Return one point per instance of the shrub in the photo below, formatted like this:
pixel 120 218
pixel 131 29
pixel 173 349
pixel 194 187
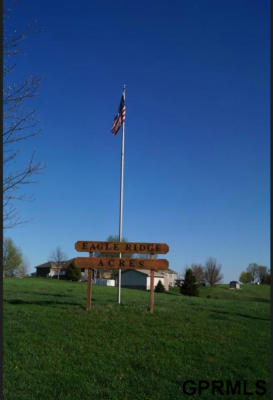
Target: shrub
pixel 159 287
pixel 73 273
pixel 12 258
pixel 245 277
pixel 189 287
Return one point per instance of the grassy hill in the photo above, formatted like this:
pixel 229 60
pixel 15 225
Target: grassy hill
pixel 54 349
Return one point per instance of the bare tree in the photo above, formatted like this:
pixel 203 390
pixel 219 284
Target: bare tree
pixel 198 272
pixel 23 268
pixel 19 124
pixel 59 258
pixel 212 272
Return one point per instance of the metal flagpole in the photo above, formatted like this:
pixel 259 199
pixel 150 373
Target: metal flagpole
pixel 121 197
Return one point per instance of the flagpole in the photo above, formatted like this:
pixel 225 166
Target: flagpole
pixel 121 198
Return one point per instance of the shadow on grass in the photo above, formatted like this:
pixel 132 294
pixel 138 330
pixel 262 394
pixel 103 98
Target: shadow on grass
pixel 172 293
pixel 260 300
pixel 47 294
pixel 251 317
pixel 217 316
pixel 43 303
pixel 235 298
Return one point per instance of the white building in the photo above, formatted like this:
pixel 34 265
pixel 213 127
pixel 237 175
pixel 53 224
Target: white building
pixel 140 278
pixel 102 282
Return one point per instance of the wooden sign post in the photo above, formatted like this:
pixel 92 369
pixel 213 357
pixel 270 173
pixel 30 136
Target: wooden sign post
pixel 112 263
pixel 89 287
pixel 152 291
pixel 89 290
pixel 152 277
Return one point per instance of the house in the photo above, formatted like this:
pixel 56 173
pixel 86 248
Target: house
pixel 140 278
pixel 170 277
pixel 234 285
pixel 50 269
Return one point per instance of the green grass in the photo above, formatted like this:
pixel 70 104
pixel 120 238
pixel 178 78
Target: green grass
pixel 54 349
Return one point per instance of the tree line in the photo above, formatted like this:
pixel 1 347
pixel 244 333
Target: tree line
pixel 14 264
pixel 210 273
pixel 198 274
pixel 256 274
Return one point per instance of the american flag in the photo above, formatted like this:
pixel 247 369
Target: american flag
pixel 120 117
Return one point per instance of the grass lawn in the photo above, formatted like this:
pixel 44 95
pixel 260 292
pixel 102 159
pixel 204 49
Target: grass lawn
pixel 54 349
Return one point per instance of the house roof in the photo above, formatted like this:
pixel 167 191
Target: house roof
pixel 171 271
pixel 52 264
pixel 44 265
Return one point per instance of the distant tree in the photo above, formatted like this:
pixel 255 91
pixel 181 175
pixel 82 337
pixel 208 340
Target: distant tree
pixel 58 257
pixel 212 272
pixel 189 287
pixel 262 272
pixel 252 269
pixel 257 272
pixel 23 268
pixel 245 277
pixel 266 279
pixel 198 272
pixel 73 273
pixel 159 287
pixel 12 258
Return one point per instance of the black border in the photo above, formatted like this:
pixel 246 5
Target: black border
pixel 1 219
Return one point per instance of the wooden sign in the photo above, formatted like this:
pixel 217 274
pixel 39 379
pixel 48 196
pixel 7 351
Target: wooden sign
pixel 122 247
pixel 89 290
pixel 121 263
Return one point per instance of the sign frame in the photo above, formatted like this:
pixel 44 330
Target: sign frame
pixel 113 263
pixel 121 263
pixel 121 247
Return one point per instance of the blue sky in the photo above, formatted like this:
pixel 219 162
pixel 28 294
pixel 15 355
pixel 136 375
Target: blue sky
pixel 197 127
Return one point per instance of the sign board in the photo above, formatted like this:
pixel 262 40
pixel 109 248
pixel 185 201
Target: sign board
pixel 122 247
pixel 121 263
